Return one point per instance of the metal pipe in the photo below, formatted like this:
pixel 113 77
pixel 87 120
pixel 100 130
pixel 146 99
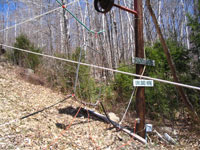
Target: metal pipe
pixel 126 9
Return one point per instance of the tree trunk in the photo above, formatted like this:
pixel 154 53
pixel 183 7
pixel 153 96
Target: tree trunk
pixel 62 36
pixel 66 31
pixel 185 23
pixel 115 43
pixel 108 48
pixel 121 56
pixel 15 26
pixel 159 12
pixel 7 21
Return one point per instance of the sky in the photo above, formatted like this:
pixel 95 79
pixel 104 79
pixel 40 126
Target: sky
pixel 4 6
pixel 15 5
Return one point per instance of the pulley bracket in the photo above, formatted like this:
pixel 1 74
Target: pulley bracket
pixel 104 6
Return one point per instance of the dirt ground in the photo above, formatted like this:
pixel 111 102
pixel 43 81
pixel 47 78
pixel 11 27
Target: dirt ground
pixel 56 127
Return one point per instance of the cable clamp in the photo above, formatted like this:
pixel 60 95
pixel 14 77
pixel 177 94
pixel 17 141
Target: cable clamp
pixel 137 120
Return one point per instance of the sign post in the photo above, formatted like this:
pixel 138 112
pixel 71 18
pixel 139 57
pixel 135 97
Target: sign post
pixel 104 6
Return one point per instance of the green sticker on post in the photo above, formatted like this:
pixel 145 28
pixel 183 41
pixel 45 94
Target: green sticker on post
pixel 142 61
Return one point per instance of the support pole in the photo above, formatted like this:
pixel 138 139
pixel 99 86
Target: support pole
pixel 139 52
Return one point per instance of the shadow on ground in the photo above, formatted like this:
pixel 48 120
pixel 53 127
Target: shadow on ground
pixel 72 112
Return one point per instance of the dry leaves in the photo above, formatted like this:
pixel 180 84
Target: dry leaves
pixel 19 98
pixel 45 130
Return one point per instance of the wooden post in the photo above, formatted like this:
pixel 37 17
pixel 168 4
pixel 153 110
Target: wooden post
pixel 139 52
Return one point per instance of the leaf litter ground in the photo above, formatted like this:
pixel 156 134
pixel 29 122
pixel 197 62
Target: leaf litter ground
pixel 45 130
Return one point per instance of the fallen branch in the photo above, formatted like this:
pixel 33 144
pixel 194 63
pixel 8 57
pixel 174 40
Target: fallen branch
pixel 116 125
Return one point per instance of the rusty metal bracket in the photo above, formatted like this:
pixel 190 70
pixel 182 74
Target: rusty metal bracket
pixel 104 6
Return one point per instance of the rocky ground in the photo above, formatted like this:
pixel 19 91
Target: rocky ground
pixel 50 129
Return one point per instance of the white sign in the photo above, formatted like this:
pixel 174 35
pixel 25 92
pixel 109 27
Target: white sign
pixel 143 83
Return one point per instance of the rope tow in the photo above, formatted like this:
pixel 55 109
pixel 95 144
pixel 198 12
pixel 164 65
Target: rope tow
pixel 82 103
pixel 104 68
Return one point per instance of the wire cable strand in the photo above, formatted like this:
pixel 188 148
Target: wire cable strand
pixel 64 7
pixel 133 93
pixel 104 68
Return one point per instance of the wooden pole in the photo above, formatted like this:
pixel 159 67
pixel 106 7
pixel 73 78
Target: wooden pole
pixel 139 52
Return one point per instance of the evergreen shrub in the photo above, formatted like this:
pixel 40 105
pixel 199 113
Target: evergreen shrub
pixel 123 84
pixel 86 86
pixel 24 59
pixel 163 99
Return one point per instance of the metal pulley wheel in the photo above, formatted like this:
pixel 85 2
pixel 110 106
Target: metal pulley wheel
pixel 103 6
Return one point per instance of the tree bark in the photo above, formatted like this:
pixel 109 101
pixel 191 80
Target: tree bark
pixel 171 65
pixel 66 31
pixel 62 36
pixel 122 55
pixel 184 23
